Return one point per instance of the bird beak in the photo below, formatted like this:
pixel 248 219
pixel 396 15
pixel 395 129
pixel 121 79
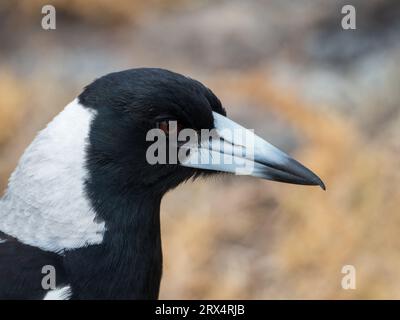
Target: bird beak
pixel 235 149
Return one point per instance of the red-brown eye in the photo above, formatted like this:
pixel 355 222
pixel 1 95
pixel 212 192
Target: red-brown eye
pixel 164 126
pixel 169 127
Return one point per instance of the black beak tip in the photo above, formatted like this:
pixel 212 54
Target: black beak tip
pixel 319 182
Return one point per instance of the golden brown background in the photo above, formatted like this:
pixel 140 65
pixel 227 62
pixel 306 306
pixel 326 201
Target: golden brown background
pixel 329 97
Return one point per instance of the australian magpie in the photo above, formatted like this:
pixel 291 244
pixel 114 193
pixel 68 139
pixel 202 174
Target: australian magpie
pixel 85 200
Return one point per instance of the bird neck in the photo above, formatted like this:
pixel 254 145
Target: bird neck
pixel 128 263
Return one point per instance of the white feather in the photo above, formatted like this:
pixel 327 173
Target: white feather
pixel 63 293
pixel 45 204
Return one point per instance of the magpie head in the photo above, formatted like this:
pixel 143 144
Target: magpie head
pixel 132 103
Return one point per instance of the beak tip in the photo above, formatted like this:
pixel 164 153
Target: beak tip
pixel 320 183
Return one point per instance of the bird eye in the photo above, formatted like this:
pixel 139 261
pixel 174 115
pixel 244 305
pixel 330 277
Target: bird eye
pixel 169 126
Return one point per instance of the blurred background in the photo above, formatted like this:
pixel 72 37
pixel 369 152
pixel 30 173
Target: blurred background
pixel 328 96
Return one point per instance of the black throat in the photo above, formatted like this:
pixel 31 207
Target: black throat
pixel 128 263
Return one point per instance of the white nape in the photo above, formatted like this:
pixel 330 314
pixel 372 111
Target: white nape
pixel 45 204
pixel 63 293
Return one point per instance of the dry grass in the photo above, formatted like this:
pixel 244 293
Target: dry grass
pixel 13 104
pixel 11 111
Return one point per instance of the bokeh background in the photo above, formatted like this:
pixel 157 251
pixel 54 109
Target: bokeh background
pixel 329 97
